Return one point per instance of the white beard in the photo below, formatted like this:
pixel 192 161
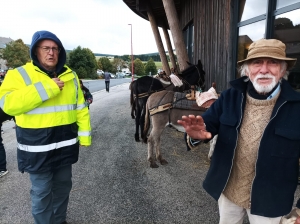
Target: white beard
pixel 264 88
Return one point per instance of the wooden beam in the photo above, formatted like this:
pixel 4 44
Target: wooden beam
pixel 182 56
pixel 158 41
pixel 170 48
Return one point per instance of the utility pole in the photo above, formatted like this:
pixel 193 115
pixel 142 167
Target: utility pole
pixel 132 64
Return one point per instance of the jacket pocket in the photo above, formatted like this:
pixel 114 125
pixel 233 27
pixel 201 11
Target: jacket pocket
pixel 227 129
pixel 228 120
pixel 30 136
pixel 287 143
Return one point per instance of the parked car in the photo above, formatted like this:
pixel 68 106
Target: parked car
pixel 120 75
pixel 100 72
pixel 113 76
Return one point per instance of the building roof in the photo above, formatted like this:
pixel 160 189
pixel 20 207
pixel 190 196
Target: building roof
pixel 140 8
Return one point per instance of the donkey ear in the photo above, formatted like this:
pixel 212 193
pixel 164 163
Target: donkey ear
pixel 200 64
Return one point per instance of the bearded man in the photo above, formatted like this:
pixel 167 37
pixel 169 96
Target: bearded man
pixel 255 165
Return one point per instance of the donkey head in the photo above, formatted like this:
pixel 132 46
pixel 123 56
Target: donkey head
pixel 194 75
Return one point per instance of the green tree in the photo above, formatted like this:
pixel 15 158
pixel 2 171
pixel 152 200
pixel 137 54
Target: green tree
pixel 139 68
pixel 125 57
pixel 16 53
pixel 68 58
pixel 283 23
pixel 150 67
pixel 106 64
pixel 99 65
pixel 83 62
pixel 118 64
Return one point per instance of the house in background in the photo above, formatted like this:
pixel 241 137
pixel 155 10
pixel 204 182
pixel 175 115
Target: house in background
pixel 3 42
pixel 219 32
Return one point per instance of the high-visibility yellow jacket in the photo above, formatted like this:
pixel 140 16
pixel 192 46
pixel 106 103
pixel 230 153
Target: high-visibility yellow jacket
pixel 50 123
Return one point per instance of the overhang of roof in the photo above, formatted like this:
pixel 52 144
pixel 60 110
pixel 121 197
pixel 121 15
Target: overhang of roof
pixel 140 8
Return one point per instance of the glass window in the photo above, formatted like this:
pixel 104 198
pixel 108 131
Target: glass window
pixel 253 8
pixel 248 34
pixel 287 29
pixel 283 3
pixel 191 43
pixel 188 35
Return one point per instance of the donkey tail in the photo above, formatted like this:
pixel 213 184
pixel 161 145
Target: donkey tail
pixel 132 99
pixel 132 90
pixel 146 125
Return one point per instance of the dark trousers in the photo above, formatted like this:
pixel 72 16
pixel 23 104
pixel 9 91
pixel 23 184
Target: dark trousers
pixel 107 86
pixel 50 195
pixel 2 154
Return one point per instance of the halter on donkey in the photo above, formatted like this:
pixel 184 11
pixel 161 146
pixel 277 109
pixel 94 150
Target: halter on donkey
pixel 143 87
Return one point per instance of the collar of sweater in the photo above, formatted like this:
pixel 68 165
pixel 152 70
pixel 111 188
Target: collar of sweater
pixel 259 102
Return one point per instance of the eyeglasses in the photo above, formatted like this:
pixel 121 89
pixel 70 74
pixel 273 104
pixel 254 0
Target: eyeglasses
pixel 47 49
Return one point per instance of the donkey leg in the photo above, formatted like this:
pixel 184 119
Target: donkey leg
pixel 137 125
pixel 156 136
pixel 151 157
pixel 159 156
pixel 142 124
pixel 132 113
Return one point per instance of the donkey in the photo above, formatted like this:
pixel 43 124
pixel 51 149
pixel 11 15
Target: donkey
pixel 143 87
pixel 160 107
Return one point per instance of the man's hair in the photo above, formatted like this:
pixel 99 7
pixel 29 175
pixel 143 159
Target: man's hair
pixel 244 69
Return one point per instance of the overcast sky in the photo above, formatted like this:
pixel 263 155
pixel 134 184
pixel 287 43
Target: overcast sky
pixel 100 25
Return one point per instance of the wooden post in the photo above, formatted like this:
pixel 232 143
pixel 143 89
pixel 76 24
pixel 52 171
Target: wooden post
pixel 159 44
pixel 182 56
pixel 170 49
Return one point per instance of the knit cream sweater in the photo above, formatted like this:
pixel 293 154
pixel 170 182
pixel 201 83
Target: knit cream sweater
pixel 257 114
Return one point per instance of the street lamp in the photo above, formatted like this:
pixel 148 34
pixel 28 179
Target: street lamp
pixel 132 70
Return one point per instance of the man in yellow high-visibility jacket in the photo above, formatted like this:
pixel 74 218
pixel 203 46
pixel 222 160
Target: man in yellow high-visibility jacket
pixel 51 122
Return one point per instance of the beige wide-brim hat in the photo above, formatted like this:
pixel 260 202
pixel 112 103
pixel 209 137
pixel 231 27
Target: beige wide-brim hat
pixel 268 48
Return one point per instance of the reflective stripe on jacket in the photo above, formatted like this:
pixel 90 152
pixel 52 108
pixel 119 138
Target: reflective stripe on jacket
pixel 49 121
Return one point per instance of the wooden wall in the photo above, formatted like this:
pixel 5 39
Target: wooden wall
pixel 213 37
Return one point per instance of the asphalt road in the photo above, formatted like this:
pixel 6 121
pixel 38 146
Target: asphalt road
pixel 99 84
pixel 112 181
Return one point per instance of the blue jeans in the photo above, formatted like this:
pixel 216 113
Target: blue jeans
pixel 50 195
pixel 107 85
pixel 2 154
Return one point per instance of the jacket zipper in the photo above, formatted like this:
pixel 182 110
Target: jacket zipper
pixel 258 152
pixel 237 134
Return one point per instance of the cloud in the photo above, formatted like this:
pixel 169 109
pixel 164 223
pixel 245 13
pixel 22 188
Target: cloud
pixel 99 25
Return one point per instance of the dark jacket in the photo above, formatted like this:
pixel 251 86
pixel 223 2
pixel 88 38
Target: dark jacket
pixel 4 116
pixel 107 76
pixel 87 95
pixel 277 165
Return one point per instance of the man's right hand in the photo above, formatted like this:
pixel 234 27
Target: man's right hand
pixel 59 83
pixel 288 221
pixel 195 127
pixel 291 218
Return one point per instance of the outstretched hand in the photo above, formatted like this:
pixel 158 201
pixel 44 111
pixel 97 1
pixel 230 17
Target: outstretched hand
pixel 195 127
